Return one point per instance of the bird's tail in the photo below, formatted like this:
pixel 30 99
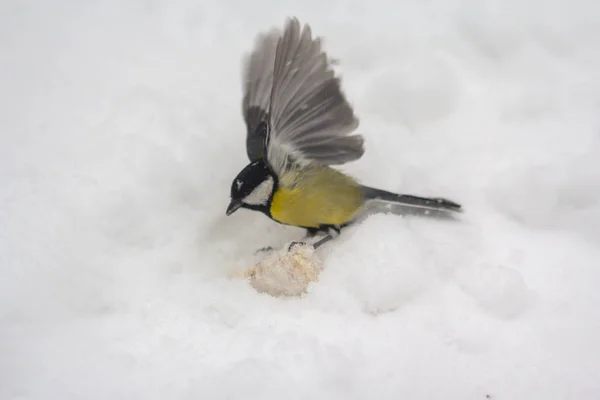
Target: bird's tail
pixel 434 203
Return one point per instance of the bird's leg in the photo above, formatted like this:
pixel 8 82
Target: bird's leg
pixel 331 230
pixel 322 241
pixel 310 233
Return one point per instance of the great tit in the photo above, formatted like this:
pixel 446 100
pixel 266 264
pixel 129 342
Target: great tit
pixel 299 124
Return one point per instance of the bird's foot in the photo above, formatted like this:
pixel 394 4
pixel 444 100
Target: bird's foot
pixel 264 250
pixel 297 243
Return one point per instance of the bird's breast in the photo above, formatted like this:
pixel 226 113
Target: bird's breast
pixel 313 200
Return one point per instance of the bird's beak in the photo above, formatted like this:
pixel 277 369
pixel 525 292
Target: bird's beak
pixel 233 206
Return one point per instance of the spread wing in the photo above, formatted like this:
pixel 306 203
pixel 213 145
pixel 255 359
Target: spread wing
pixel 310 120
pixel 257 80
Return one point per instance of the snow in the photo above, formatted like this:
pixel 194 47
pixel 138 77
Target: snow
pixel 120 135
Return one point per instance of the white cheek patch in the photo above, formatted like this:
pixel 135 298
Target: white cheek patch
pixel 261 194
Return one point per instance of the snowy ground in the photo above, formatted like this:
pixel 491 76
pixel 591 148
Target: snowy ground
pixel 120 132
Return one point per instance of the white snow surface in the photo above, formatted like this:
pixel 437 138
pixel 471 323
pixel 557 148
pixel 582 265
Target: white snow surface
pixel 120 135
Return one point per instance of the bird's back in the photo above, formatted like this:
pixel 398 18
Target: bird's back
pixel 316 196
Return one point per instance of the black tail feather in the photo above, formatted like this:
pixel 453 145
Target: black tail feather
pixel 432 203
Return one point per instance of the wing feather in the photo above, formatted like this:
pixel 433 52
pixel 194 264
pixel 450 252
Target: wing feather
pixel 310 118
pixel 257 81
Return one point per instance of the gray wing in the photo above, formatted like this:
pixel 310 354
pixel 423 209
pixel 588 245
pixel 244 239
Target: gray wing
pixel 310 118
pixel 257 81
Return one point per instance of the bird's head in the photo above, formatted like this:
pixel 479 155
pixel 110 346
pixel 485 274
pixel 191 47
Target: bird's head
pixel 252 188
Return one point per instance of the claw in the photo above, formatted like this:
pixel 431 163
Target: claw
pixel 264 249
pixel 295 243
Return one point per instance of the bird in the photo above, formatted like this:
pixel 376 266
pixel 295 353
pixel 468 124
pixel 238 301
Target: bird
pixel 300 127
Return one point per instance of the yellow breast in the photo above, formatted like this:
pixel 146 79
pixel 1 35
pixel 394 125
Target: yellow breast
pixel 317 196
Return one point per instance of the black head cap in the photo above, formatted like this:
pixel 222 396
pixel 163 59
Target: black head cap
pixel 246 182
